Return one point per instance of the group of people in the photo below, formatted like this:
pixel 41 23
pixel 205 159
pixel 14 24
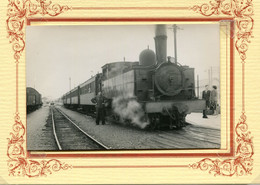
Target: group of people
pixel 211 98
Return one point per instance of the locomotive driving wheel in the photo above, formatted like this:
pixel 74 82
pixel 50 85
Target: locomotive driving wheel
pixel 154 121
pixel 180 120
pixel 176 119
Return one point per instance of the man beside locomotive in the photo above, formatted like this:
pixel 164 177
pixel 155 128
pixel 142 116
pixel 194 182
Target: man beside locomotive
pixel 214 99
pixel 100 101
pixel 206 96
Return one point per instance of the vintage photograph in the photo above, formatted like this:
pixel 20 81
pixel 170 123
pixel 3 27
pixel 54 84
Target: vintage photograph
pixel 123 87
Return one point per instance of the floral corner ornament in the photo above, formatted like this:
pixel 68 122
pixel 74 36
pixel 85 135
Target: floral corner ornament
pixel 18 11
pixel 242 12
pixel 241 164
pixel 19 164
pixel 33 168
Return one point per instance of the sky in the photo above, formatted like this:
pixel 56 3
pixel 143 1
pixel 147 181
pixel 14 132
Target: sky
pixel 54 54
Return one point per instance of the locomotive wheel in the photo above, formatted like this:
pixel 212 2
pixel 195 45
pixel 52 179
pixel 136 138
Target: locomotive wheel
pixel 180 122
pixel 177 119
pixel 153 119
pixel 115 117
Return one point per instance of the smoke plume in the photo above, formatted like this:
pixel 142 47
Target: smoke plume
pixel 129 109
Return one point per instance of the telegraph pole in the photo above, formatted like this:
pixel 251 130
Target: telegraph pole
pixel 175 41
pixel 174 27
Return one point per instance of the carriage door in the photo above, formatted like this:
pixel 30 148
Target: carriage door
pixel 78 95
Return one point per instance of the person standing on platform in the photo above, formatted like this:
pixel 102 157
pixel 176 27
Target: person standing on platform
pixel 100 101
pixel 214 99
pixel 206 96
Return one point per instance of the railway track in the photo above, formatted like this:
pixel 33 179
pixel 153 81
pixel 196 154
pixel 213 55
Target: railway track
pixel 69 136
pixel 188 137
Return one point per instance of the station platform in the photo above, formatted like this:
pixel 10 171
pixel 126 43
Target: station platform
pixel 213 121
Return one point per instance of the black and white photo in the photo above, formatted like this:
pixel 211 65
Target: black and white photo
pixel 123 87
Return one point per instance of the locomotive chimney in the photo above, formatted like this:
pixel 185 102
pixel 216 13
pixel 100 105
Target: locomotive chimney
pixel 160 43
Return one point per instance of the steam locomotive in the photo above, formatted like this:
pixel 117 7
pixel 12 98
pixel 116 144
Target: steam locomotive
pixel 33 99
pixel 154 92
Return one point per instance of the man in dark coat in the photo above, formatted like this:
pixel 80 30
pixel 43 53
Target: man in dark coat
pixel 206 96
pixel 100 101
pixel 214 99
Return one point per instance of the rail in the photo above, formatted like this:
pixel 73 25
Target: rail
pixel 80 129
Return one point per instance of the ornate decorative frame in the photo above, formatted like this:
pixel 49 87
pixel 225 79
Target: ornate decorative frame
pixel 242 164
pixel 241 10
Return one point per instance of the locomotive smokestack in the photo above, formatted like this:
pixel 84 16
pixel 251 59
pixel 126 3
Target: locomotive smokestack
pixel 160 43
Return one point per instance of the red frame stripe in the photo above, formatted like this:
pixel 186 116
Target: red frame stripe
pixel 154 155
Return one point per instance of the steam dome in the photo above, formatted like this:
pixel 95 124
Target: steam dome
pixel 147 57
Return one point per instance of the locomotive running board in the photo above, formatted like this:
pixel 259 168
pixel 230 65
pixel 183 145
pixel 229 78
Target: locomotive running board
pixel 187 105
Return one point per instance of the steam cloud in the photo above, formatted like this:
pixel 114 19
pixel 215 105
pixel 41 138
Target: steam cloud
pixel 128 108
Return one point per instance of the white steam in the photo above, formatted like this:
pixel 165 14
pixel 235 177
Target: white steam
pixel 129 109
